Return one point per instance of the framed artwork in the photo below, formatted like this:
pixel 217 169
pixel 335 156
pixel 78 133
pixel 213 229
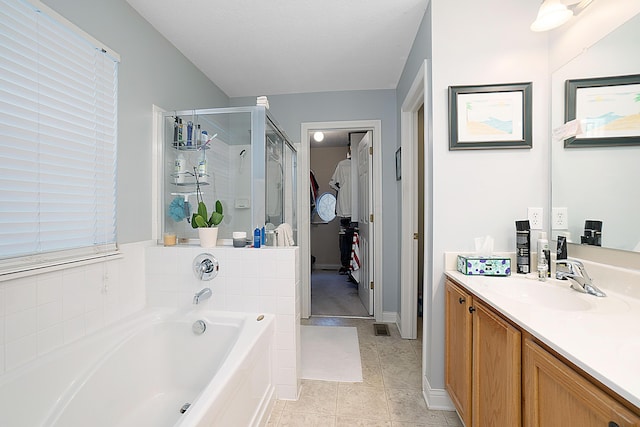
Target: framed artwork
pixel 607 108
pixel 490 116
pixel 399 164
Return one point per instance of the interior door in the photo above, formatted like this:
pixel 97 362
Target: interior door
pixel 365 225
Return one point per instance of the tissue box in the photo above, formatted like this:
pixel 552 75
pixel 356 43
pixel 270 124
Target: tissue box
pixel 484 266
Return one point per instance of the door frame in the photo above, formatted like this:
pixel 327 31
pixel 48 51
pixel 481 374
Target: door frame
pixel 416 97
pixel 304 209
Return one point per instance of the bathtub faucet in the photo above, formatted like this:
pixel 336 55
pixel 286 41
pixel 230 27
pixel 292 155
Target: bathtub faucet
pixel 202 295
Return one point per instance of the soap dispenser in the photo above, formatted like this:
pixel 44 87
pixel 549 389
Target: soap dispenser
pixel 544 257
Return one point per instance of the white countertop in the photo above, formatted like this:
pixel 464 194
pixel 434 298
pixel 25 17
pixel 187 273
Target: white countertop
pixel 599 335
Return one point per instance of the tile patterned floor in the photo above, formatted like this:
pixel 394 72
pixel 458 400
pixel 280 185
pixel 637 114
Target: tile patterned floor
pixel 390 394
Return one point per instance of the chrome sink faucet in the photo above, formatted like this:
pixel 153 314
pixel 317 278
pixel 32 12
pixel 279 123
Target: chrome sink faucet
pixel 574 271
pixel 202 295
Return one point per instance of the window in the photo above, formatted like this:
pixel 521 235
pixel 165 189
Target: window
pixel 58 133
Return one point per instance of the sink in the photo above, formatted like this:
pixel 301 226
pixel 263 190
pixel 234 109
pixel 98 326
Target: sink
pixel 549 295
pixel 555 295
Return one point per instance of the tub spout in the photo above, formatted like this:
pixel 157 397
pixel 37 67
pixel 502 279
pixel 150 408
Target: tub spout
pixel 202 295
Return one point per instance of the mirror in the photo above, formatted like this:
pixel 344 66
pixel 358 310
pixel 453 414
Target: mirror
pixel 598 183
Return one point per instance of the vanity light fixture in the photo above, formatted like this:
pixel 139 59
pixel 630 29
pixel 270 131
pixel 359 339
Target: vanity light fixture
pixel 318 136
pixel 554 13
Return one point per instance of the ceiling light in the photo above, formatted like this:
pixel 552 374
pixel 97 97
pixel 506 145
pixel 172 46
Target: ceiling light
pixel 318 136
pixel 551 14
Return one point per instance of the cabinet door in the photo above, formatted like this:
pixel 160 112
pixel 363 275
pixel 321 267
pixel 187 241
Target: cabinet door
pixel 556 395
pixel 496 370
pixel 458 349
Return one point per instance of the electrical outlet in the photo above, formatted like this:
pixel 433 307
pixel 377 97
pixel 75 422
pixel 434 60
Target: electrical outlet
pixel 559 219
pixel 535 218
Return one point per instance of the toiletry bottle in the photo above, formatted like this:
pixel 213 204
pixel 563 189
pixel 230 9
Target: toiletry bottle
pixel 263 236
pixel 189 133
pixel 523 243
pixel 543 257
pixel 257 238
pixel 202 167
pixel 175 132
pixel 180 132
pixel 180 169
pixel 198 136
pixel 561 250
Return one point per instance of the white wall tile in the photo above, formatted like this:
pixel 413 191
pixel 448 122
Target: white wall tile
pixel 49 314
pixel 73 281
pixel 285 376
pixel 287 358
pixel 73 329
pixel 235 303
pixel 111 312
pixel 93 321
pixel 268 286
pixel 285 305
pixel 252 304
pixel 162 299
pixel 268 304
pixel 287 392
pixel 250 286
pixel 73 302
pixel 49 339
pixel 2 367
pixel 19 352
pixel 49 287
pixel 20 324
pixel 285 341
pixel 20 295
pixel 2 300
pixel 2 330
pixel 218 302
pixel 285 323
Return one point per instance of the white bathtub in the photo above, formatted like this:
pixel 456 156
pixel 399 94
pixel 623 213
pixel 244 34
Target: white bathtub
pixel 141 371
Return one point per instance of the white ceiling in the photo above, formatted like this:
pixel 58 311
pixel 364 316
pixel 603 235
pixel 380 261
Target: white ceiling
pixel 258 47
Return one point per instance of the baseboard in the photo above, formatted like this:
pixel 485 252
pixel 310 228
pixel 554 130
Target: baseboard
pixel 390 317
pixel 332 267
pixel 436 398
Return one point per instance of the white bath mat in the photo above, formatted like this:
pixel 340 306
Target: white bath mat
pixel 330 353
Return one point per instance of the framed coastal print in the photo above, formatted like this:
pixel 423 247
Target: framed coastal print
pixel 490 116
pixel 607 108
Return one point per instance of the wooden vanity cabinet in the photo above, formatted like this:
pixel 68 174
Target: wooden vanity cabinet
pixel 458 349
pixel 556 395
pixel 482 369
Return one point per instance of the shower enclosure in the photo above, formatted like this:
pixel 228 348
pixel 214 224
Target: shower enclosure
pixel 237 155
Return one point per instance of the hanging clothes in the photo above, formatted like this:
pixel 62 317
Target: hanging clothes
pixel 354 264
pixel 313 189
pixel 341 182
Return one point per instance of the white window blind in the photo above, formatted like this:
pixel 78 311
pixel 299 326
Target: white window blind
pixel 58 132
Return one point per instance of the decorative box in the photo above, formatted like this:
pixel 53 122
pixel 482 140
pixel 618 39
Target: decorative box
pixel 484 266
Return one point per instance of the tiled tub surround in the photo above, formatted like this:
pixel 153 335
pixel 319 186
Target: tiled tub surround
pixel 42 312
pixel 249 280
pixel 144 369
pixel 604 343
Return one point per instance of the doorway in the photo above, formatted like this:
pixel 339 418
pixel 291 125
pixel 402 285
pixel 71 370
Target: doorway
pixel 416 232
pixel 334 233
pixel 353 291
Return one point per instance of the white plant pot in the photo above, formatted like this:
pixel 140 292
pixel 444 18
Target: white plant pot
pixel 208 236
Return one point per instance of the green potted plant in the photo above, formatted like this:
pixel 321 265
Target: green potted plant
pixel 207 225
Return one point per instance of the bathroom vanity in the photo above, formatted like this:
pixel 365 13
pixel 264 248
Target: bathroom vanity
pixel 530 353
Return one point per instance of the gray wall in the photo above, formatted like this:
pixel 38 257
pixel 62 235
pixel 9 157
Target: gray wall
pixel 489 50
pixel 151 71
pixel 293 110
pixel 325 243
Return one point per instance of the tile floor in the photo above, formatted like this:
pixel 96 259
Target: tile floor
pixel 390 394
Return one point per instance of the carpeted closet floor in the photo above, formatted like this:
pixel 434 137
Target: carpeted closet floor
pixel 333 294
